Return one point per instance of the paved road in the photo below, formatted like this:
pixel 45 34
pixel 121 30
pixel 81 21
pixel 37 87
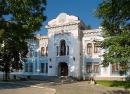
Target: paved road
pixel 44 87
pixel 85 88
pixel 23 88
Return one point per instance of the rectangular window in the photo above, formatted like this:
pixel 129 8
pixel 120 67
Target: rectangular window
pixel 57 50
pixel 92 68
pixel 26 67
pixel 96 68
pixel 44 68
pixel 30 67
pixel 67 50
pixel 35 54
pixel 89 68
pixel 36 66
pixel 115 67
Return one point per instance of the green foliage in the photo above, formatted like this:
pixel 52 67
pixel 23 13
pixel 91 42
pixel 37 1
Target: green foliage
pixel 115 15
pixel 123 84
pixel 119 48
pixel 19 19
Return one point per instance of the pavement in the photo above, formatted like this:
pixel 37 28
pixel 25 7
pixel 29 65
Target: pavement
pixel 45 87
pixel 24 88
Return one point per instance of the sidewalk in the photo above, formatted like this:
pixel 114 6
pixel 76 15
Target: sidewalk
pixel 23 88
pixel 45 87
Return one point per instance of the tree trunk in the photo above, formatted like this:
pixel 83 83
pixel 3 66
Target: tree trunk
pixel 6 75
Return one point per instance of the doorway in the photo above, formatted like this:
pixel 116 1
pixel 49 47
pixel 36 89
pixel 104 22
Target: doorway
pixel 63 69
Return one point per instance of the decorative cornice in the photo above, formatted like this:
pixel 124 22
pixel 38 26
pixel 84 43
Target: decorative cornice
pixel 70 24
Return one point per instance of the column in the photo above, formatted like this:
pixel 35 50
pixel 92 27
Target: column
pixel 92 49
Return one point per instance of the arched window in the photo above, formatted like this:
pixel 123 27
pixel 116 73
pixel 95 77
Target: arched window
pixel 89 48
pixel 42 51
pixel 62 47
pixel 96 48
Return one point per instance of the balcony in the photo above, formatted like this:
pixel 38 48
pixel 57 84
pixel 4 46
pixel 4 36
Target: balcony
pixel 62 58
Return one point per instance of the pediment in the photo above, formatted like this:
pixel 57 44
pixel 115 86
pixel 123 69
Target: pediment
pixel 63 19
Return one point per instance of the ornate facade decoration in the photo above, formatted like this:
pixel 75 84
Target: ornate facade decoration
pixel 69 49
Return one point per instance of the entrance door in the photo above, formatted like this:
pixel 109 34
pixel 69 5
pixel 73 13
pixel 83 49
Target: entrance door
pixel 63 69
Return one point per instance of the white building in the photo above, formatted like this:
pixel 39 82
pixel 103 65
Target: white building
pixel 69 49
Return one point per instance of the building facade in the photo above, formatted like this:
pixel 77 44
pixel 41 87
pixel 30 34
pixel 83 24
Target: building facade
pixel 69 49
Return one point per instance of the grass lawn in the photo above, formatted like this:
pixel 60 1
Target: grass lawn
pixel 124 84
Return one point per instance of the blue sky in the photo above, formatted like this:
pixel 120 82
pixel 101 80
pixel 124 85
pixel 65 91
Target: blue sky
pixel 84 9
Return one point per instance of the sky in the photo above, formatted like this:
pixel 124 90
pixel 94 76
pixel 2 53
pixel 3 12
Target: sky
pixel 84 9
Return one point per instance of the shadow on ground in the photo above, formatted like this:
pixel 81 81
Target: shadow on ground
pixel 117 87
pixel 117 92
pixel 124 84
pixel 46 81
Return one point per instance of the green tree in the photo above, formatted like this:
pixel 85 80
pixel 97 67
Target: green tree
pixel 19 19
pixel 115 15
